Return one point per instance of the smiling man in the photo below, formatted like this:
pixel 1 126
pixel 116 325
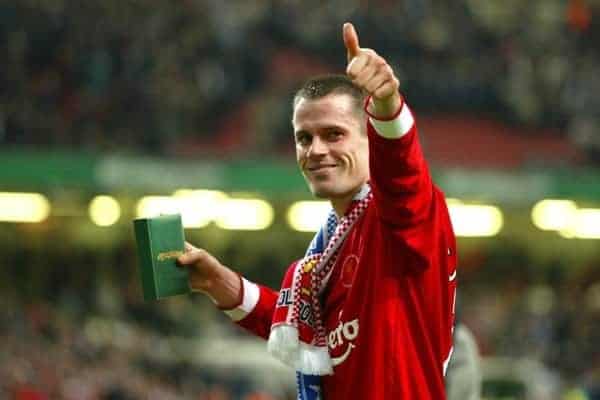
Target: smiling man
pixel 332 148
pixel 368 312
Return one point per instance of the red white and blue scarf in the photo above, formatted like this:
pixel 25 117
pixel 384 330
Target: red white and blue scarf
pixel 298 337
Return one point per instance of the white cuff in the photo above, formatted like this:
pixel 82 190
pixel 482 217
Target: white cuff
pixel 251 295
pixel 397 127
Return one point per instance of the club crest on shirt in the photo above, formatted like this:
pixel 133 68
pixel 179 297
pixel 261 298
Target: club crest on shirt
pixel 349 270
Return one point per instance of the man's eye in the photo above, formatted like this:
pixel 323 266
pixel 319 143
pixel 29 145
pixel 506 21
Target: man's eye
pixel 334 135
pixel 303 139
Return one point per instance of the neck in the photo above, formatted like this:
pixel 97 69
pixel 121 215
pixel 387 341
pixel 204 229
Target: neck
pixel 341 204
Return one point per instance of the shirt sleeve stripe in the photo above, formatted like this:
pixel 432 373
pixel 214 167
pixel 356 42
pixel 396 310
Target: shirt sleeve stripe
pixel 249 301
pixel 447 361
pixel 397 127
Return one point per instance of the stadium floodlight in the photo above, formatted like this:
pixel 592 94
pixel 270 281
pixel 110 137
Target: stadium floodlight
pixel 585 225
pixel 198 207
pixel 452 201
pixel 153 206
pixel 308 216
pixel 104 210
pixel 23 207
pixel 244 214
pixel 554 215
pixel 475 220
pixel 194 214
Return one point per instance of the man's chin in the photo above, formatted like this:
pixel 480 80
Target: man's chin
pixel 322 195
pixel 326 193
pixel 321 192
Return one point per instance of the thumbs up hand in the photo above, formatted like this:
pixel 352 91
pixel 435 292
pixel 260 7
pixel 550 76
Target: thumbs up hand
pixel 371 72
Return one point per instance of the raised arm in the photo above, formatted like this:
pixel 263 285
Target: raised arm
pixel 399 175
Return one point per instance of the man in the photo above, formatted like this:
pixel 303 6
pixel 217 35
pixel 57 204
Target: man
pixel 368 312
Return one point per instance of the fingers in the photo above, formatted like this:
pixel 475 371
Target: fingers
pixel 386 90
pixel 351 41
pixel 192 255
pixel 375 82
pixel 360 62
pixel 364 68
pixel 370 72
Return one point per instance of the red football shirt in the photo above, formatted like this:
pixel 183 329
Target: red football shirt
pixel 389 306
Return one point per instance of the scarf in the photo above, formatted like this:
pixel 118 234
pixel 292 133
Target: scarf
pixel 298 337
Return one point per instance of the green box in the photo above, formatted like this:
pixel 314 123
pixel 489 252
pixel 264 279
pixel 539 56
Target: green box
pixel 160 241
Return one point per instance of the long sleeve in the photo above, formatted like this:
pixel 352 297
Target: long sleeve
pixel 404 194
pixel 400 178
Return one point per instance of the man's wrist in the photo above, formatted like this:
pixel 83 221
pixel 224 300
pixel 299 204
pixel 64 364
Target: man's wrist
pixel 395 126
pixel 225 289
pixel 226 299
pixel 249 295
pixel 384 110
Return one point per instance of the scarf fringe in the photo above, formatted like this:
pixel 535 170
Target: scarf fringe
pixel 314 360
pixel 284 345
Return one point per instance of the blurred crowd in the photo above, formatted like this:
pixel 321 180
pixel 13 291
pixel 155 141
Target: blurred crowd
pixel 49 354
pixel 73 326
pixel 204 75
pixel 545 311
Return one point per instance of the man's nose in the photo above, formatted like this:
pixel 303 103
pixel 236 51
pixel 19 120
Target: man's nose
pixel 317 147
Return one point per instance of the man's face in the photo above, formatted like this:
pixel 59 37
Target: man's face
pixel 332 148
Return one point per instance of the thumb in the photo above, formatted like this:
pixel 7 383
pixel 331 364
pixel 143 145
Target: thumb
pixel 191 255
pixel 351 41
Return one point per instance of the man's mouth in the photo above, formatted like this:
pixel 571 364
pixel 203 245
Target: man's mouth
pixel 320 168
